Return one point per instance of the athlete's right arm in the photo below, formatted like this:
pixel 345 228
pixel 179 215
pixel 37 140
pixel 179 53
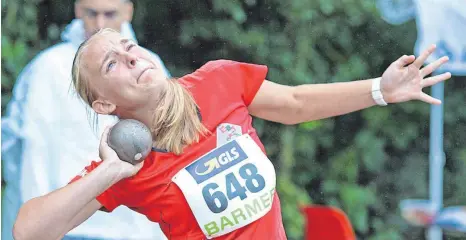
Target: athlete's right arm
pixel 51 216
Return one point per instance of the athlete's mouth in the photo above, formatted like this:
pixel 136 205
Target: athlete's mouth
pixel 142 73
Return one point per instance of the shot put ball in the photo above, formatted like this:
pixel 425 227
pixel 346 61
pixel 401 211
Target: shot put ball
pixel 131 140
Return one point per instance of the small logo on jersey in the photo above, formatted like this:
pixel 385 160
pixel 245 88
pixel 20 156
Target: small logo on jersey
pixel 227 132
pixel 83 173
pixel 216 161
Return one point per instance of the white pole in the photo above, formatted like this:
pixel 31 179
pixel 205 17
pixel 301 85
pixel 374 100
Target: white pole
pixel 436 158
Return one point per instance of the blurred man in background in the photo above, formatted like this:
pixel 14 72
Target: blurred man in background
pixel 45 136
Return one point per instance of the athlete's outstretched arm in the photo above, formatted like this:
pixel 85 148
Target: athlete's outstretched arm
pixel 402 81
pixel 291 105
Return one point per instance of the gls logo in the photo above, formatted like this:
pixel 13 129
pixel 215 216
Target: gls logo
pixel 216 161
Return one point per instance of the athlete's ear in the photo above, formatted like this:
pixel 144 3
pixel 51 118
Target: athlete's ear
pixel 103 107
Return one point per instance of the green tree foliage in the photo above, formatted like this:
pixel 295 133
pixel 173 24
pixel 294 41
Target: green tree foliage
pixel 364 162
pixel 17 39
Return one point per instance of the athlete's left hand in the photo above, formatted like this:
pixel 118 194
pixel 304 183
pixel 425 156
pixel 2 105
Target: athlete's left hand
pixel 404 79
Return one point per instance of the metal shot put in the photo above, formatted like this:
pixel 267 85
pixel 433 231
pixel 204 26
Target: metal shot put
pixel 131 140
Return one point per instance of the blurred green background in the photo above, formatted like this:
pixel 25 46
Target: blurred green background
pixel 363 163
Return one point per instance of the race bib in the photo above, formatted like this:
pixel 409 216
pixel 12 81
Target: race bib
pixel 229 187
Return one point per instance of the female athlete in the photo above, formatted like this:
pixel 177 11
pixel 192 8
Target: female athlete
pixel 209 176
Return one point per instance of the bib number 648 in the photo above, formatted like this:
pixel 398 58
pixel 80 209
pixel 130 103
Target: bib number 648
pixel 218 202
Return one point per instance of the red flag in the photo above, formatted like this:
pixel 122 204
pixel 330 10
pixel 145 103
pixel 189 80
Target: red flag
pixel 327 223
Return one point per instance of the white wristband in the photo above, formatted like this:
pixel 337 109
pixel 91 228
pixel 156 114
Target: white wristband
pixel 376 93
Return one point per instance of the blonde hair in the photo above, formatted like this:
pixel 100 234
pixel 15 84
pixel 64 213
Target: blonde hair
pixel 176 120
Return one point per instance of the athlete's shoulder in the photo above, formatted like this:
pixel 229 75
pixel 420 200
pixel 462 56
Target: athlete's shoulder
pixel 218 64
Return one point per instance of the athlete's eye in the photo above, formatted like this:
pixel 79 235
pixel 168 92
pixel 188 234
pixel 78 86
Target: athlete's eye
pixel 131 45
pixel 110 65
